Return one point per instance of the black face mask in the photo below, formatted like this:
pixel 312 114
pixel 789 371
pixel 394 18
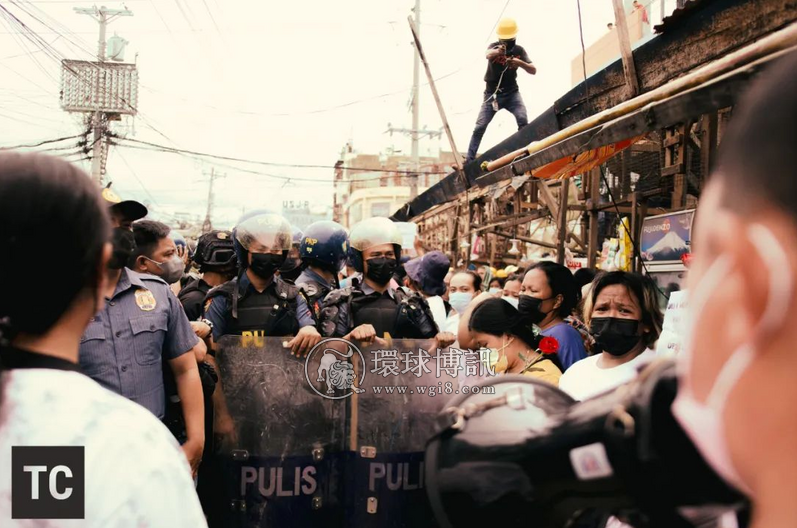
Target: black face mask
pixel 124 245
pixel 615 336
pixel 291 269
pixel 380 270
pixel 529 308
pixel 509 44
pixel 265 265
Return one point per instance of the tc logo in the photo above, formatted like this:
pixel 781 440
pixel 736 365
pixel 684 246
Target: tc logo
pixel 48 482
pixel 328 364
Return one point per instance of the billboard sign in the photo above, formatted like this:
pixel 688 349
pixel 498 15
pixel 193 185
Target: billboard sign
pixel 667 238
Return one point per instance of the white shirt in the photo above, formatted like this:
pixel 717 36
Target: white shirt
pixel 135 472
pixel 585 379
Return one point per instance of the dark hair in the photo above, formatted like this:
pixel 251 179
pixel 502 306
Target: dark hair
pixel 148 235
pixel 759 144
pixel 646 293
pixel 497 317
pixel 500 281
pixel 514 277
pixel 477 281
pixel 46 202
pixel 561 281
pixel 584 276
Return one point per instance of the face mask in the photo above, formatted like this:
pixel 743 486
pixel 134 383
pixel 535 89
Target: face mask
pixel 529 307
pixel 703 421
pixel 291 269
pixel 614 336
pixel 494 361
pixel 171 270
pixel 124 244
pixel 265 265
pixel 493 291
pixel 380 270
pixel 511 300
pixel 459 301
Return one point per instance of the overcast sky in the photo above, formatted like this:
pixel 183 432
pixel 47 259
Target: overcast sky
pixel 261 80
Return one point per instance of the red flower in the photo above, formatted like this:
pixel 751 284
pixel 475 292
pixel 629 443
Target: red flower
pixel 549 345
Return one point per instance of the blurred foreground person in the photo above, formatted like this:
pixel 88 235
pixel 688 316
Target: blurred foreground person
pixel 738 399
pixel 625 322
pixel 135 472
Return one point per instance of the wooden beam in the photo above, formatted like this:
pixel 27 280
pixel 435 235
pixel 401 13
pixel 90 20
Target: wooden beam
pixel 629 68
pixel 547 198
pixel 592 243
pixel 708 145
pixel 562 224
pixel 524 239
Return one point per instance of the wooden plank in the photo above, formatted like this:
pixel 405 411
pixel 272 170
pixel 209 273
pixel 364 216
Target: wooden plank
pixel 678 168
pixel 674 139
pixel 708 145
pixel 524 239
pixel 562 223
pixel 592 243
pixel 547 198
pixel 629 68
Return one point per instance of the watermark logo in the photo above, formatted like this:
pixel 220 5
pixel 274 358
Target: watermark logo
pixel 330 369
pixel 48 482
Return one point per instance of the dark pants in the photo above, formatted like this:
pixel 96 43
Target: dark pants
pixel 510 101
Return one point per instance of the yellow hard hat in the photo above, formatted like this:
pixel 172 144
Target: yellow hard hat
pixel 507 29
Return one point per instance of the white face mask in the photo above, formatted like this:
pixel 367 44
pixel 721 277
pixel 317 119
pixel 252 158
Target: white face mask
pixel 511 300
pixel 703 421
pixel 459 301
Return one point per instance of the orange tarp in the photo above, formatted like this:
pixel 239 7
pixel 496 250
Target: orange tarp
pixel 581 163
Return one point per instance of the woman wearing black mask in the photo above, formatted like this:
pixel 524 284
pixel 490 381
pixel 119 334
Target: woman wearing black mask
pixel 625 321
pixel 548 295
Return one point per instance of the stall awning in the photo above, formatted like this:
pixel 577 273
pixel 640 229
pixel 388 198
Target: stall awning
pixel 581 162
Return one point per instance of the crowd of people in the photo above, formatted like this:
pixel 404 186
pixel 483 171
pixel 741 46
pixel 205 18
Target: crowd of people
pixel 119 328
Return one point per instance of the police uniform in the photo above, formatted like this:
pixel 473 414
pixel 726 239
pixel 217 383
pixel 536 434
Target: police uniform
pixel 192 297
pixel 124 345
pixel 236 307
pixel 396 312
pixel 315 288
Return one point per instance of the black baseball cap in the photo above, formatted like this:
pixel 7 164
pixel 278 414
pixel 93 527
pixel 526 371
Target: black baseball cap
pixel 130 209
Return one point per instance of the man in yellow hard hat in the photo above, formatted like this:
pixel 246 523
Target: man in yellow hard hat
pixel 504 58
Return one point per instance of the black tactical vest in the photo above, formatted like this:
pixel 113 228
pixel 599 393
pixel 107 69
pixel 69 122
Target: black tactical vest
pixel 270 313
pixel 376 310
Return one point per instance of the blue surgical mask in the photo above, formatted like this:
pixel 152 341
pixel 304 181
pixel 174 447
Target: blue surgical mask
pixel 459 301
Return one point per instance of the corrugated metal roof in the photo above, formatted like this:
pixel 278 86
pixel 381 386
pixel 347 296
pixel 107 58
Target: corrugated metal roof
pixel 679 14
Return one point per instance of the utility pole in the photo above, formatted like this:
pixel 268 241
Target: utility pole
pixel 415 107
pixel 207 225
pixel 621 23
pixel 103 16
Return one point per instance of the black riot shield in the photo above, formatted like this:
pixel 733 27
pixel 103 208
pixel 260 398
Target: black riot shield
pixel 335 439
pixel 283 459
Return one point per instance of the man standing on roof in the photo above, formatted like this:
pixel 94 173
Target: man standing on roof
pixel 504 58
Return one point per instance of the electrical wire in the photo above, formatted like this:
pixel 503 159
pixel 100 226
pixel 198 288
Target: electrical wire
pixel 631 237
pixel 268 163
pixel 43 142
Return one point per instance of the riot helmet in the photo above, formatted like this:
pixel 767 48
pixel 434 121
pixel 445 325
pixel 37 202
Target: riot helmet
pixel 215 251
pixel 292 267
pixel 260 233
pixel 325 244
pixel 370 233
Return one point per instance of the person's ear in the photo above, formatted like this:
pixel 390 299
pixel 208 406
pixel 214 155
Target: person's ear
pixel 140 264
pixel 558 302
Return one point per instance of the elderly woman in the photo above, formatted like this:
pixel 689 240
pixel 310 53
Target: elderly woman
pixel 625 320
pixel 496 325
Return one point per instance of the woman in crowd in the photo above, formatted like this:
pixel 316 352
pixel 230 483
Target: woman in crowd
pixel 464 286
pixel 511 290
pixel 625 322
pixel 496 286
pixel 496 325
pixel 135 472
pixel 548 296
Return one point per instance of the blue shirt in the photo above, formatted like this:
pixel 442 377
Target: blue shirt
pixel 217 310
pixel 124 346
pixel 343 325
pixel 309 275
pixel 571 345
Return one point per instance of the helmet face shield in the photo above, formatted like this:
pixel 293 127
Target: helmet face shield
pixel 374 232
pixel 264 233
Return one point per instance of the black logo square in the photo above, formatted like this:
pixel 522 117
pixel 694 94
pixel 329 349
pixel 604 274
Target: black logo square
pixel 48 482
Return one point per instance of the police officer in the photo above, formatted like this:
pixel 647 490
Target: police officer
pixel 324 248
pixel 140 324
pixel 292 267
pixel 257 302
pixel 374 309
pixel 215 256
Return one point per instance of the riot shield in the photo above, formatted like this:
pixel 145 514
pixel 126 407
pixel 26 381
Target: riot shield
pixel 283 459
pixel 335 439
